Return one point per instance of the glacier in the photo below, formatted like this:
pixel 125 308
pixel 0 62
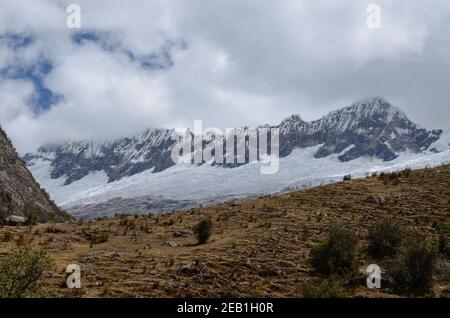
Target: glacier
pixel 208 184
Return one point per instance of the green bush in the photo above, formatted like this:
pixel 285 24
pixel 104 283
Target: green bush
pixel 441 228
pixel 444 245
pixel 415 265
pixel 384 238
pixel 203 231
pixel 21 270
pixel 337 253
pixel 31 212
pixel 331 287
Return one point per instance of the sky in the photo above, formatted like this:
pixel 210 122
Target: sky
pixel 165 63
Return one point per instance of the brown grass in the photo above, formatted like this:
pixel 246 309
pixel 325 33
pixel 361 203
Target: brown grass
pixel 259 248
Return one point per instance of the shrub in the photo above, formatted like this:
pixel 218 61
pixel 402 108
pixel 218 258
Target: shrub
pixel 390 178
pixel 24 240
pixel 384 238
pixel 53 230
pixel 203 231
pixel 21 270
pixel 145 228
pixel 31 212
pixel 337 253
pixel 7 236
pixel 331 287
pixel 414 266
pixel 441 228
pixel 406 173
pixel 95 236
pixel 123 219
pixel 444 245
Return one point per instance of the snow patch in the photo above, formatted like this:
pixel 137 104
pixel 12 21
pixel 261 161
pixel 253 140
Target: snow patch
pixel 190 182
pixel 443 143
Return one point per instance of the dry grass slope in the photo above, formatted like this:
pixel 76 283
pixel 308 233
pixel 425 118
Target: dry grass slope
pixel 259 248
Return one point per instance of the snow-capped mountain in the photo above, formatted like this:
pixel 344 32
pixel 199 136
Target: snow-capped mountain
pixel 370 128
pixel 370 135
pixel 124 157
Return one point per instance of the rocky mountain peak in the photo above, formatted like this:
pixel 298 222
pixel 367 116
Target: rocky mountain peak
pixel 375 111
pixel 295 118
pixel 292 123
pixel 370 127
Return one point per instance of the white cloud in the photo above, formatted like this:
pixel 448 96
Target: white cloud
pixel 246 63
pixel 13 96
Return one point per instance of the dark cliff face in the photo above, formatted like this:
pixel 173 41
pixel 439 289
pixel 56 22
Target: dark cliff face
pixel 19 193
pixel 367 128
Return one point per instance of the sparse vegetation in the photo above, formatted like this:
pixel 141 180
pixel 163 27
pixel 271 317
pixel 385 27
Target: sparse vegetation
pixel 203 231
pixel 330 287
pixel 20 271
pixel 414 266
pixel 262 247
pixel 444 245
pixel 95 236
pixel 31 212
pixel 441 227
pixel 54 230
pixel 394 177
pixel 384 238
pixel 23 239
pixel 337 253
pixel 7 236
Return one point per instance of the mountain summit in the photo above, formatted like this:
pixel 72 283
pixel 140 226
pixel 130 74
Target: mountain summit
pixel 371 127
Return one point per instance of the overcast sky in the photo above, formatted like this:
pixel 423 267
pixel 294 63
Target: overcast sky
pixel 151 63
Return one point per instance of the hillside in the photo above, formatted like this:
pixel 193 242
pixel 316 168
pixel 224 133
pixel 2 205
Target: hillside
pixel 20 195
pixel 259 248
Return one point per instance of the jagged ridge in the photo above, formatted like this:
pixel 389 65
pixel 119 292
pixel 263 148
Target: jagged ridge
pixel 371 127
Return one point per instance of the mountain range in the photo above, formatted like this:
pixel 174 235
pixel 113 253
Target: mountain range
pixel 91 178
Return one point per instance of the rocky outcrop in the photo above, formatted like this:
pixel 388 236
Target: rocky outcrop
pixel 20 195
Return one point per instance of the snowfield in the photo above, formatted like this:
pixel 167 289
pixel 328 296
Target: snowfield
pixel 206 184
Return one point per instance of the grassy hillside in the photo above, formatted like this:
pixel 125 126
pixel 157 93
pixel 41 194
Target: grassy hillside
pixel 259 248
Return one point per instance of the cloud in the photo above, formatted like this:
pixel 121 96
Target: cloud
pixel 165 63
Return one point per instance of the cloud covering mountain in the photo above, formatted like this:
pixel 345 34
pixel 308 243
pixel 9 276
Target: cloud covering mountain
pixel 161 63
